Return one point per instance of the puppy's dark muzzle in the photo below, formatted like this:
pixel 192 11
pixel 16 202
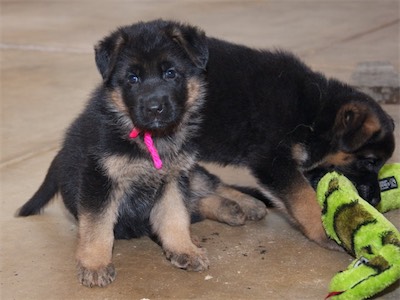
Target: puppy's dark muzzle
pixel 369 193
pixel 156 111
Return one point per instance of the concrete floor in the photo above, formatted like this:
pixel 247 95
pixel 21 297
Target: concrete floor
pixel 47 72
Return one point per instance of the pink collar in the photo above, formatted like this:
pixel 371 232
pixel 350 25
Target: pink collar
pixel 148 141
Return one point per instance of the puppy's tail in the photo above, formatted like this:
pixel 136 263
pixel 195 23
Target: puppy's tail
pixel 43 195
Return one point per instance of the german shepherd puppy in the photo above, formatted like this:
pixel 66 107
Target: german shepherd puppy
pixel 269 112
pixel 127 167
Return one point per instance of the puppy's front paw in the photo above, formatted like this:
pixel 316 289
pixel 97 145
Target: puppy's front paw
pixel 99 277
pixel 194 261
pixel 319 236
pixel 330 245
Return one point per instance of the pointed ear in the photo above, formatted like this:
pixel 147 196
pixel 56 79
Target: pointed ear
pixel 193 41
pixel 106 52
pixel 355 124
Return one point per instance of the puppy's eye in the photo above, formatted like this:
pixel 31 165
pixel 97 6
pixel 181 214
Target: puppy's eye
pixel 370 163
pixel 133 78
pixel 170 74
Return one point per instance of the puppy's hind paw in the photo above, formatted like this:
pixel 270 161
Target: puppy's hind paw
pixel 100 277
pixel 255 210
pixel 231 213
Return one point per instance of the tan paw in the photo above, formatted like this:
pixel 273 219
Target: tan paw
pixel 330 245
pixel 318 235
pixel 231 213
pixel 254 210
pixel 100 277
pixel 195 261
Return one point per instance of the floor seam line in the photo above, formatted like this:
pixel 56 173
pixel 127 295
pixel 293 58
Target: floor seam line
pixel 39 48
pixel 24 157
pixel 349 38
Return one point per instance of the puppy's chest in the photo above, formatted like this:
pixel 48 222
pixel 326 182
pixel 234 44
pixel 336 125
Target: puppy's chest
pixel 126 170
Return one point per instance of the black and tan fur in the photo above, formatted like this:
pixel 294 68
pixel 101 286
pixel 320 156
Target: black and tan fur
pixel 289 125
pixel 153 80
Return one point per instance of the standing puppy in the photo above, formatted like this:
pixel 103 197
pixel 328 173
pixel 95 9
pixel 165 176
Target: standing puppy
pixel 269 112
pixel 127 166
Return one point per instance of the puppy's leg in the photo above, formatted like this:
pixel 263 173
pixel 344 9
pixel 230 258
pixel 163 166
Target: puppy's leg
pixel 304 208
pixel 97 214
pixel 170 221
pixel 94 253
pixel 288 186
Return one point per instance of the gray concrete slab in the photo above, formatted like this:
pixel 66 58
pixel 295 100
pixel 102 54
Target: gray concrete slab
pixel 47 72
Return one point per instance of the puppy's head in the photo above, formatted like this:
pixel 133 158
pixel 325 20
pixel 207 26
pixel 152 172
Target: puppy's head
pixel 153 73
pixel 361 141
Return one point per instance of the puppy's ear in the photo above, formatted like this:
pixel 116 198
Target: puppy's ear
pixel 193 41
pixel 106 52
pixel 355 124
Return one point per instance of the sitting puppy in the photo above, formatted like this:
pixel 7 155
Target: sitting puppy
pixel 127 167
pixel 270 113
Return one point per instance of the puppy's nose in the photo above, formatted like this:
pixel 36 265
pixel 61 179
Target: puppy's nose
pixel 155 108
pixel 374 201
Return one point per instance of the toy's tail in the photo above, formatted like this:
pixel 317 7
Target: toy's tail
pixel 43 195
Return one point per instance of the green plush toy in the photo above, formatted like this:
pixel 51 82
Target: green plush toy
pixel 363 232
pixel 389 180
